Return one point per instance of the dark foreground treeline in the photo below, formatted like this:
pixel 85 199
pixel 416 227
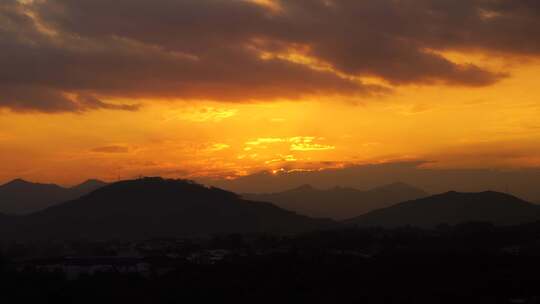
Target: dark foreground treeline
pixel 470 263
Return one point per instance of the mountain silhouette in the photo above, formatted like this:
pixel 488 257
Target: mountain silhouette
pixel 156 207
pixel 453 208
pixel 87 186
pixel 339 202
pixel 23 197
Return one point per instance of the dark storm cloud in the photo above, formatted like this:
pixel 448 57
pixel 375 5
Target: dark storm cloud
pixel 211 49
pixel 34 98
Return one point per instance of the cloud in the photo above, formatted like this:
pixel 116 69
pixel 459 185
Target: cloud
pixel 34 98
pixel 215 50
pixel 498 153
pixel 90 102
pixel 281 159
pixel 307 144
pixel 310 147
pixel 296 143
pixel 262 141
pixel 22 98
pixel 204 114
pixel 219 147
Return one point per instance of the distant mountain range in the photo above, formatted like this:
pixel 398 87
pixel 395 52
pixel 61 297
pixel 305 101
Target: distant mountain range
pixel 339 202
pixel 156 207
pixel 23 197
pixel 453 208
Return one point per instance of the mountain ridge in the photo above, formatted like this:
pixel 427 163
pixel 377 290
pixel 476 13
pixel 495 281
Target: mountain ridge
pixel 156 207
pixel 452 208
pixel 19 196
pixel 338 202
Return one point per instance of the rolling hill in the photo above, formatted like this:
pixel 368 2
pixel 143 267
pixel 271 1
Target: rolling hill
pixel 156 207
pixel 23 197
pixel 339 202
pixel 453 208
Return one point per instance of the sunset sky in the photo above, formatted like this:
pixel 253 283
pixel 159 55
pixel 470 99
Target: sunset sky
pixel 227 88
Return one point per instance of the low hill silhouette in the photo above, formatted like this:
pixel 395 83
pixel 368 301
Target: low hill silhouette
pixel 156 207
pixel 453 208
pixel 339 202
pixel 23 197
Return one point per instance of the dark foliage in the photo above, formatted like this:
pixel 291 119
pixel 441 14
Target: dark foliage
pixel 468 263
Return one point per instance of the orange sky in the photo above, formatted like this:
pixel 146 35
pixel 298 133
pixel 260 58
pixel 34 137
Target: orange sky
pixel 455 125
pixel 494 126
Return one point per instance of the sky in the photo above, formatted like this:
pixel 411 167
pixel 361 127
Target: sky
pixel 224 89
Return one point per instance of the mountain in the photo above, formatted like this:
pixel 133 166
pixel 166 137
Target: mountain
pixel 156 207
pixel 339 202
pixel 23 197
pixel 19 196
pixel 453 208
pixel 86 187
